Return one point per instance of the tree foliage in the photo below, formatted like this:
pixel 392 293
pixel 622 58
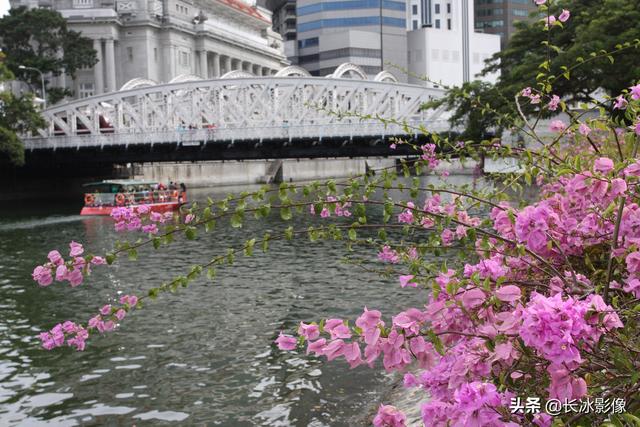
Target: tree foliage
pixel 39 38
pixel 17 115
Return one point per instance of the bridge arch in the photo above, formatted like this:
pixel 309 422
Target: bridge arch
pixel 185 78
pixel 138 82
pixel 349 68
pixel 236 74
pixel 292 71
pixel 385 76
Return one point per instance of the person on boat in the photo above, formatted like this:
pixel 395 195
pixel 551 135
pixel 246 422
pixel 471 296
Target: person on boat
pixel 183 187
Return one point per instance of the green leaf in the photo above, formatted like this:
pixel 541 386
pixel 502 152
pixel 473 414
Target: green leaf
pixel 353 235
pixel 110 258
pixel 248 247
pixel 211 273
pixel 190 232
pixel 288 233
pixel 236 220
pixel 133 254
pixel 285 213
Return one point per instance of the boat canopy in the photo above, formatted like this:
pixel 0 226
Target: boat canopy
pixel 120 186
pixel 122 182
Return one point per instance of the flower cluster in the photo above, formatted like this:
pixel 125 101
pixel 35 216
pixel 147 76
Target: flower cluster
pixel 75 335
pixel 72 270
pixel 140 218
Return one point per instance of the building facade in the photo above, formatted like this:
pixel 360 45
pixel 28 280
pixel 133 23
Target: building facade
pixel 284 23
pixel 498 16
pixel 369 33
pixel 167 40
pixel 445 49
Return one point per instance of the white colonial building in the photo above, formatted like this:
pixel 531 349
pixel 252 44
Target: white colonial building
pixel 154 41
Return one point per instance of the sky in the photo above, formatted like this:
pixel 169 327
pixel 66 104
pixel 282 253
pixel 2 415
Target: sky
pixel 4 7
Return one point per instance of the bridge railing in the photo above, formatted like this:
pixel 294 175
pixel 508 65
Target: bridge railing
pixel 185 136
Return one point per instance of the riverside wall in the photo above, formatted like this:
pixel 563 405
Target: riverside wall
pixel 220 173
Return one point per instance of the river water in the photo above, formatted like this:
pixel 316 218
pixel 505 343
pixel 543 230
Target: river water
pixel 204 356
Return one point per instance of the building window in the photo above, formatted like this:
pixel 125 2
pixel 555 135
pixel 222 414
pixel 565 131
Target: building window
pixel 82 4
pixel 326 6
pixel 313 41
pixel 184 59
pixel 415 25
pixel 520 12
pixel 437 8
pixel 130 54
pixel 490 24
pixel 86 90
pixel 352 22
pixel 448 7
pixel 437 23
pixel 448 23
pixel 489 12
pixel 414 9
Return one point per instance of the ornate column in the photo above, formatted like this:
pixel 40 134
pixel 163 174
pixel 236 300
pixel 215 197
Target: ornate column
pixel 98 76
pixel 235 64
pixel 257 70
pixel 216 65
pixel 110 62
pixel 227 64
pixel 246 66
pixel 204 71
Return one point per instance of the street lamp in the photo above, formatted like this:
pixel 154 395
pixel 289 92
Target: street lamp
pixel 44 94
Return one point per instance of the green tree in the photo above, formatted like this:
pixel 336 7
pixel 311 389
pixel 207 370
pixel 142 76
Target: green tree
pixel 594 25
pixel 39 38
pixel 17 115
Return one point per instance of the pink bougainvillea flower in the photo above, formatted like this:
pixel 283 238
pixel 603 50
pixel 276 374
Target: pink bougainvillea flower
pixel 621 103
pixel 76 249
pixel 635 92
pixel 407 281
pixel 509 293
pixel 389 416
pixel 584 129
pixel 557 126
pixel 309 331
pixel 603 165
pixel 550 20
pixel 564 16
pixel 553 104
pixel 286 342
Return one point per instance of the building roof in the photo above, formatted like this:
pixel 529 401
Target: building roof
pixel 245 8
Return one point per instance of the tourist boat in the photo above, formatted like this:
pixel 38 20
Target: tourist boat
pixel 102 197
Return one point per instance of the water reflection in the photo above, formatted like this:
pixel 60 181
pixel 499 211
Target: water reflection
pixel 204 355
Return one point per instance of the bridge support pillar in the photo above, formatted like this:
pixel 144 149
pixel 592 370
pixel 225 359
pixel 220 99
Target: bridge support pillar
pixel 97 69
pixel 110 61
pixel 216 65
pixel 204 71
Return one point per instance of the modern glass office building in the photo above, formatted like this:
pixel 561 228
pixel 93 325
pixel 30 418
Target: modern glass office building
pixel 499 16
pixel 369 33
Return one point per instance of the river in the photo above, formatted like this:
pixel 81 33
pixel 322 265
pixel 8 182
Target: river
pixel 204 356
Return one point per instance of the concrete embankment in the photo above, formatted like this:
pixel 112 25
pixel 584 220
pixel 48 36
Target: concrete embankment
pixel 217 173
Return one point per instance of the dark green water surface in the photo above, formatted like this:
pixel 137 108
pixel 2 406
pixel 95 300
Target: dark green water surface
pixel 204 356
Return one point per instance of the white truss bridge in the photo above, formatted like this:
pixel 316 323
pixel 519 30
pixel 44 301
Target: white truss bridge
pixel 288 106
